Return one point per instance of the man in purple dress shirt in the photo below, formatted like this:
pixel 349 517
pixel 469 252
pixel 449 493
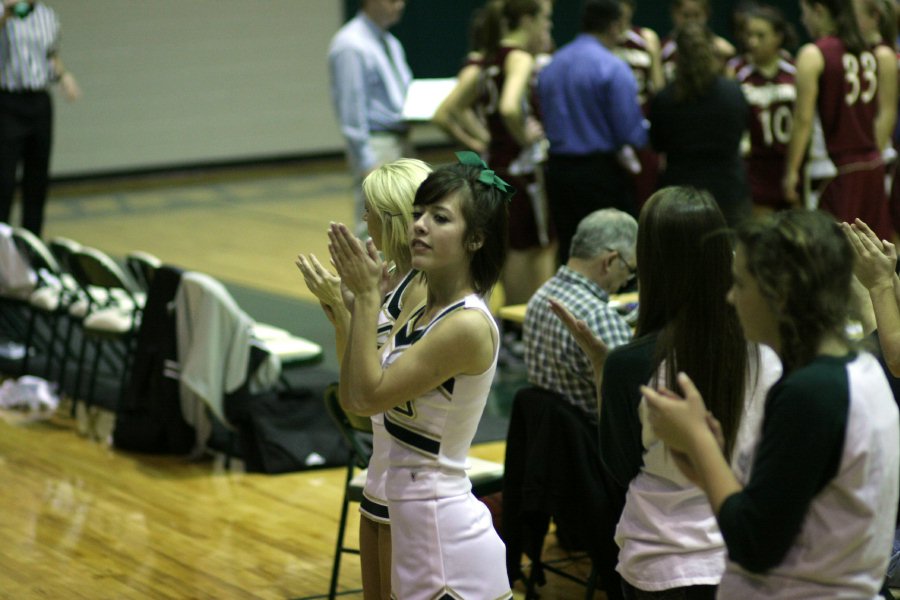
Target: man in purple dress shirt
pixel 590 112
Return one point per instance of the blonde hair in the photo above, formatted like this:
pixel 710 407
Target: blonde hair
pixel 390 190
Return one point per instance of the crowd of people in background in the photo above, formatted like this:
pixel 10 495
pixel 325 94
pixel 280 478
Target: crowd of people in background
pixel 749 122
pixel 747 188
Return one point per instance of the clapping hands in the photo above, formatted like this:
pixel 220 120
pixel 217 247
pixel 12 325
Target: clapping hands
pixel 678 421
pixel 325 285
pixel 359 265
pixel 594 347
pixel 876 260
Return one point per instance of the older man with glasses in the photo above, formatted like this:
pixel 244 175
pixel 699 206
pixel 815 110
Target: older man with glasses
pixel 602 260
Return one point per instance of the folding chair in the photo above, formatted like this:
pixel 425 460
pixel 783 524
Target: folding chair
pixel 51 299
pixel 17 282
pixel 357 432
pixel 142 266
pixel 111 320
pixel 62 249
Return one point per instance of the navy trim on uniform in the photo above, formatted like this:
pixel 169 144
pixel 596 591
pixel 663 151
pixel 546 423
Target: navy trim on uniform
pixel 407 334
pixel 373 508
pixel 394 305
pixel 412 438
pixel 406 409
pixel 448 385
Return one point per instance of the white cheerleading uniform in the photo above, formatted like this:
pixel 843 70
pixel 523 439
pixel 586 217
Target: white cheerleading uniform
pixel 374 502
pixel 444 543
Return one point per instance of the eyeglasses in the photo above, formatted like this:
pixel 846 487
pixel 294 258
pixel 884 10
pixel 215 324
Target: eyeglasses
pixel 632 271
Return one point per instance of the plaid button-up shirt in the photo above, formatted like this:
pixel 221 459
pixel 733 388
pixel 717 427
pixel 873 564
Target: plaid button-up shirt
pixel 554 360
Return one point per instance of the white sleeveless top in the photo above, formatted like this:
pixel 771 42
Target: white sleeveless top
pixel 430 436
pixel 374 504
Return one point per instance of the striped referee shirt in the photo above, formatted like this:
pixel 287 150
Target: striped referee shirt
pixel 26 46
pixel 554 360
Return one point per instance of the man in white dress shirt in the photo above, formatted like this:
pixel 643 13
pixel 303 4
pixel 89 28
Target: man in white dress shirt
pixel 369 80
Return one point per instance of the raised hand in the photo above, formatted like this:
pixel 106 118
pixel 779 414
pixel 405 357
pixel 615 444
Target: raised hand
pixel 594 347
pixel 716 428
pixel 677 420
pixel 876 260
pixel 359 266
pixel 324 285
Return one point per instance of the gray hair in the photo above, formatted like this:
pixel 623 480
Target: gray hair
pixel 602 230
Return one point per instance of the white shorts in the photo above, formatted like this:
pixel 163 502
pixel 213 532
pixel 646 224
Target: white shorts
pixel 446 549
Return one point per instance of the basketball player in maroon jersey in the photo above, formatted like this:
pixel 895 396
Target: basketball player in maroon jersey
pixel 878 25
pixel 517 30
pixel 837 81
pixel 456 115
pixel 639 47
pixel 766 76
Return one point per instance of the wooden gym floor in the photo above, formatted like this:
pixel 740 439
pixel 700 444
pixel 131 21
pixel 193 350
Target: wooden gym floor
pixel 79 519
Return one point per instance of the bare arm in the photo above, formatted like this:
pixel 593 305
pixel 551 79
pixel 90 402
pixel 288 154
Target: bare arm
pixel 593 347
pixel 518 68
pixel 810 64
pixel 366 388
pixel 657 76
pixel 326 287
pixel 875 267
pixel 724 49
pixel 421 368
pixel 887 96
pixel 67 83
pixel 456 116
pixel 7 10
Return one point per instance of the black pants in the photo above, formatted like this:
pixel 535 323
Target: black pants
pixel 26 133
pixel 579 185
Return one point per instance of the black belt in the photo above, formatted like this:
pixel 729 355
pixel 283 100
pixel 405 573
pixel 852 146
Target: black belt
pixel 392 132
pixel 22 92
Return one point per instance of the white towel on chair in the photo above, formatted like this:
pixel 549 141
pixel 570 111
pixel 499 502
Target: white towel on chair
pixel 214 337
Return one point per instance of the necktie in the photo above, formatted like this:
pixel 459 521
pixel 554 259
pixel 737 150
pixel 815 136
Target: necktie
pixel 390 57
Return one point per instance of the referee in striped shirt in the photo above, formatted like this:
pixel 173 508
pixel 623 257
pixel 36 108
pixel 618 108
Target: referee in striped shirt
pixel 29 64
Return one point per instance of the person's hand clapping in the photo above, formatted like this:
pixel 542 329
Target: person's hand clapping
pixel 324 285
pixel 594 347
pixel 359 266
pixel 876 260
pixel 677 420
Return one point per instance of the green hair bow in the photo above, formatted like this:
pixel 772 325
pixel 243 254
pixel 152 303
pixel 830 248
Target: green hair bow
pixel 487 177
